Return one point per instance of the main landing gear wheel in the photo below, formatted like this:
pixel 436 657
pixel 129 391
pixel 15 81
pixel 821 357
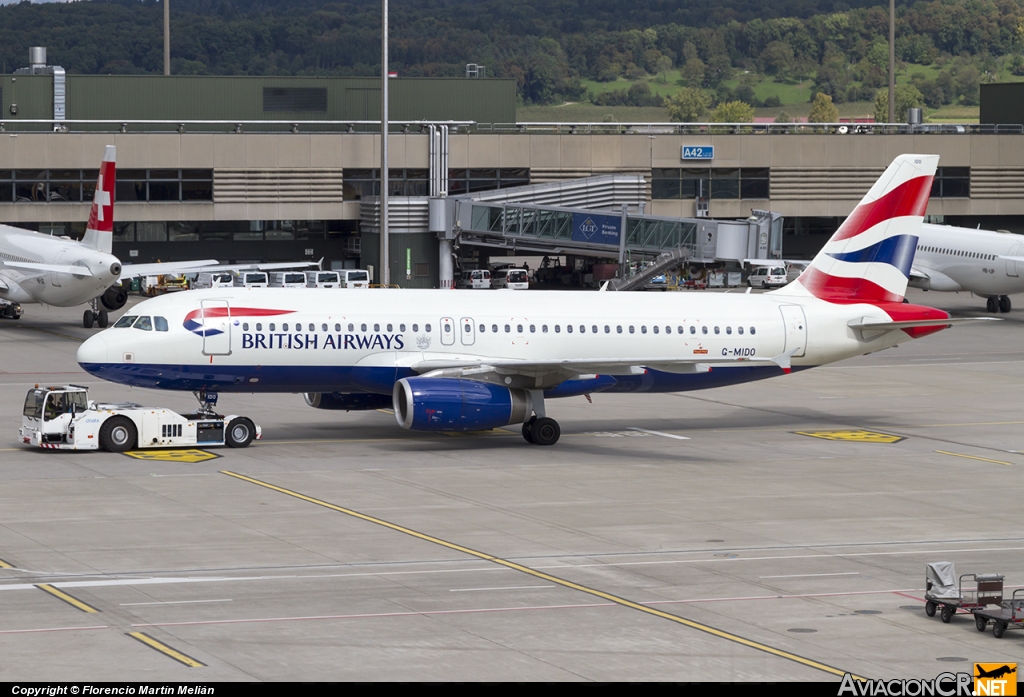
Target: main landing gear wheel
pixel 544 431
pixel 118 434
pixel 102 319
pixel 240 433
pixel 947 613
pixel 992 304
pixel 929 608
pixel 528 429
pixel 1004 303
pixel 87 319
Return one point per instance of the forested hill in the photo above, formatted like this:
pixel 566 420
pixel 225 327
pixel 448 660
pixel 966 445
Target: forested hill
pixel 549 46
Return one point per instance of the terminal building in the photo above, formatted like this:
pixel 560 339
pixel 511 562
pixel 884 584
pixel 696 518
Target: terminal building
pixel 274 169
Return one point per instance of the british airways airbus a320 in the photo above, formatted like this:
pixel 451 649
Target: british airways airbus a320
pixel 465 360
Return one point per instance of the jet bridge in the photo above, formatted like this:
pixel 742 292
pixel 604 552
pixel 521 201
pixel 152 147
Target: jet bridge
pixel 601 218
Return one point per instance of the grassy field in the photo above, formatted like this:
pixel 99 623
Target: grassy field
pixel 795 98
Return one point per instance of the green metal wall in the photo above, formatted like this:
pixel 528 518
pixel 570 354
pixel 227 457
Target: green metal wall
pixel 136 97
pixel 418 248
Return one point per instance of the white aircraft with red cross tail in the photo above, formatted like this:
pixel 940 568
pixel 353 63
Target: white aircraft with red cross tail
pixel 466 360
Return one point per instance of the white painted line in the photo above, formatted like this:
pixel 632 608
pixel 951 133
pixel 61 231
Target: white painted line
pixel 658 433
pixel 50 629
pixel 845 573
pixel 503 588
pixel 179 602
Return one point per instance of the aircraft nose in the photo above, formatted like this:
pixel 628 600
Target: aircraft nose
pixel 93 351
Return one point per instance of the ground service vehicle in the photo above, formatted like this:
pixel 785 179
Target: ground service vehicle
pixel 768 277
pixel 252 279
pixel 475 278
pixel 64 418
pixel 288 279
pixel 512 279
pixel 354 278
pixel 322 279
pixel 211 279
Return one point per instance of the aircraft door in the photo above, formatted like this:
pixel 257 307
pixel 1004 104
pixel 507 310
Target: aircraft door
pixel 215 317
pixel 468 331
pixel 796 329
pixel 447 331
pixel 1011 265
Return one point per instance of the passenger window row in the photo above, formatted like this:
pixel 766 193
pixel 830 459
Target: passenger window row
pixel 299 327
pixel 595 329
pixel 495 329
pixel 958 253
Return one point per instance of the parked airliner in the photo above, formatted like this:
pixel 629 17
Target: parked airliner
pixel 37 268
pixel 986 263
pixel 464 360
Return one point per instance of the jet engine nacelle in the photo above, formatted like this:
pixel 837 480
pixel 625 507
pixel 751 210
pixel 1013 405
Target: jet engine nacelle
pixel 347 401
pixel 114 298
pixel 451 404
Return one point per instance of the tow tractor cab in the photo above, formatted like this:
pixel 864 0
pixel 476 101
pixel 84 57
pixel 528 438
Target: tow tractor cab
pixel 64 418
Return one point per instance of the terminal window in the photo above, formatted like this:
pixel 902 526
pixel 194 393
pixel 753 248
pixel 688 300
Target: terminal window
pixel 295 99
pixel 715 183
pixel 952 182
pixel 464 181
pixel 79 185
pixel 401 182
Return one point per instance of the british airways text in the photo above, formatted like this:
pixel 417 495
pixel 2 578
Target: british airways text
pixel 281 340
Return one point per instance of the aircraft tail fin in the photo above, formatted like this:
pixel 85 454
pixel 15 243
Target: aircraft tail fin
pixel 99 233
pixel 869 257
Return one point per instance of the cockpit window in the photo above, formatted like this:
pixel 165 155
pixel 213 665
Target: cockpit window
pixel 145 324
pixel 160 323
pixel 126 321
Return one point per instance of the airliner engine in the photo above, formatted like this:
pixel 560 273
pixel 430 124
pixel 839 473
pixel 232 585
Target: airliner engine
pixel 451 404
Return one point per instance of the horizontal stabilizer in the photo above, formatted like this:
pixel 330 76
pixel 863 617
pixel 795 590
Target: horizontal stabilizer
pixel 55 268
pixel 868 323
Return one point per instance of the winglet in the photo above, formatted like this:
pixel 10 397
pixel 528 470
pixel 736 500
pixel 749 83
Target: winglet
pixel 99 233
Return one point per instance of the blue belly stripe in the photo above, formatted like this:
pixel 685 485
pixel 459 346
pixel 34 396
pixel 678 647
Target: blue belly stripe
pixel 295 379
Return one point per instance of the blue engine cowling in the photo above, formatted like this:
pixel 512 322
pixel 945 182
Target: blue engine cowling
pixel 451 404
pixel 358 401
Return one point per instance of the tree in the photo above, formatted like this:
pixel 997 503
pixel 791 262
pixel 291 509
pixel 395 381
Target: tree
pixel 689 104
pixel 823 110
pixel 777 58
pixel 733 112
pixel 783 117
pixel 693 72
pixel 907 97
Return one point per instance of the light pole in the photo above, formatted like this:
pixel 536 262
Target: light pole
pixel 892 61
pixel 385 251
pixel 167 37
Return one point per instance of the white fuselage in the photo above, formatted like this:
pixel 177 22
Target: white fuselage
pixel 310 340
pixel 964 259
pixel 61 288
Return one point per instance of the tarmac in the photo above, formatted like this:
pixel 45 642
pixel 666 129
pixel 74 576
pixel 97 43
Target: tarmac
pixel 774 531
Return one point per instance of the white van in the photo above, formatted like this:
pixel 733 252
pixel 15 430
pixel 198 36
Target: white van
pixel 210 279
pixel 475 278
pixel 768 277
pixel 354 278
pixel 252 279
pixel 288 279
pixel 512 279
pixel 322 279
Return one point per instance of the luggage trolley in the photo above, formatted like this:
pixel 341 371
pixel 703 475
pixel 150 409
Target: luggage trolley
pixel 943 588
pixel 1008 615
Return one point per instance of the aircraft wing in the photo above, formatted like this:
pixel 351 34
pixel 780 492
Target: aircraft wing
pixel 180 267
pixel 43 268
pixel 776 262
pixel 543 374
pixel 1011 258
pixel 164 268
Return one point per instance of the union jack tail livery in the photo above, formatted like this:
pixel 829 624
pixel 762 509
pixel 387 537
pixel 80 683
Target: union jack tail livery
pixel 99 233
pixel 869 257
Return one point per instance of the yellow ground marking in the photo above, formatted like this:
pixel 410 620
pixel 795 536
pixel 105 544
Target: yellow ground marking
pixel 552 579
pixel 75 602
pixel 190 455
pixel 387 411
pixel 165 649
pixel 974 457
pixel 853 435
pixel 5 565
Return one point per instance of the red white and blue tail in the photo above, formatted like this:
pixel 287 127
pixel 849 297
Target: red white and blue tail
pixel 99 233
pixel 869 257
